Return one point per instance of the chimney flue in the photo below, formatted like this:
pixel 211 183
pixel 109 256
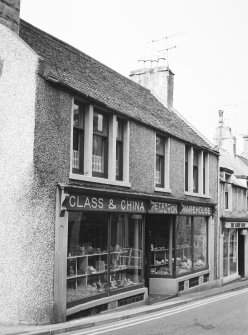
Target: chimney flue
pixel 10 14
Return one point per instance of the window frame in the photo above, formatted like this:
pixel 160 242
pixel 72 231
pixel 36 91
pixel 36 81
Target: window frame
pixel 86 174
pixel 104 136
pixel 165 185
pixel 202 176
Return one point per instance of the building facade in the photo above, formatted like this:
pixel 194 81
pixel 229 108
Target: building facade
pixel 233 225
pixel 108 195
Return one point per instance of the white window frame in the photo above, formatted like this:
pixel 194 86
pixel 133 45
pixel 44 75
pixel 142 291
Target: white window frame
pixel 200 173
pixel 166 188
pixel 88 140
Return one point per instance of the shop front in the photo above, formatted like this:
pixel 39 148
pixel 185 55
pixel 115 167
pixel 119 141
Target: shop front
pixel 234 242
pixel 104 249
pixel 110 249
pixel 178 248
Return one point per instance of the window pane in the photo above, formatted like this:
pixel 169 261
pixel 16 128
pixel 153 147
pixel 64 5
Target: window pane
pixel 119 130
pixel 183 245
pixel 186 169
pixel 225 254
pixel 87 255
pixel 159 170
pixel 233 251
pixel 159 146
pixel 78 116
pixel 126 251
pixel 195 171
pixel 100 124
pixel 78 138
pixel 162 258
pixel 98 157
pixel 119 160
pixel 200 243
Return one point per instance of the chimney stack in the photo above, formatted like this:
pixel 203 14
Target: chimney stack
pixel 245 150
pixel 159 80
pixel 10 14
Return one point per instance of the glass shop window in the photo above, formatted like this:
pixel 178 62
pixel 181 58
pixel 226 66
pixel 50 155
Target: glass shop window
pixel 162 258
pixel 192 244
pixel 87 255
pixel 184 243
pixel 200 242
pixel 104 254
pixel 126 251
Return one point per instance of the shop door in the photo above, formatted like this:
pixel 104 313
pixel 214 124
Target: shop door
pixel 241 254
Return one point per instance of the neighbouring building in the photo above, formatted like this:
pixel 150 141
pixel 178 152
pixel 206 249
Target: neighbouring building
pixel 233 214
pixel 107 195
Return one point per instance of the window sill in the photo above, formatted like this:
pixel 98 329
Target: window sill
pixel 197 195
pixel 99 180
pixel 164 190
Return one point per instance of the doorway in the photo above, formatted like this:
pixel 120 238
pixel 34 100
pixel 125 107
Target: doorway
pixel 241 253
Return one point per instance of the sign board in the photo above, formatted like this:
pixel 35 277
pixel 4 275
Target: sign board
pixel 77 202
pixel 195 210
pixel 163 207
pixel 242 225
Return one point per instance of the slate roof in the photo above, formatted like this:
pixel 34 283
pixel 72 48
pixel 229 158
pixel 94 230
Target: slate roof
pixel 81 72
pixel 236 163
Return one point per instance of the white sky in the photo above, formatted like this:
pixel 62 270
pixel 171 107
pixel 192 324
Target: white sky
pixel 210 60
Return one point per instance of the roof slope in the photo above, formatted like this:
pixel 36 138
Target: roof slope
pixel 235 163
pixel 90 77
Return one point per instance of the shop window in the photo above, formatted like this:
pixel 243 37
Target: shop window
pixel 230 252
pixel 100 146
pixel 162 163
pixel 190 254
pixel 191 237
pixel 105 255
pixel 184 245
pixel 162 246
pixel 196 171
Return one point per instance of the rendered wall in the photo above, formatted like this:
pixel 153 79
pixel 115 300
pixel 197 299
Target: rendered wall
pixel 34 155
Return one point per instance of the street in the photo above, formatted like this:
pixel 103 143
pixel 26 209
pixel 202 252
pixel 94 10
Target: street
pixel 222 314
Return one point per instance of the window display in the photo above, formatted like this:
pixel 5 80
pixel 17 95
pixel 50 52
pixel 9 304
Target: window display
pixel 184 245
pixel 190 254
pixel 104 254
pixel 162 260
pixel 230 252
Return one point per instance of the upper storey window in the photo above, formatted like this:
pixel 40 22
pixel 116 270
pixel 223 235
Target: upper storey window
pixel 196 171
pixel 78 138
pixel 100 146
pixel 162 164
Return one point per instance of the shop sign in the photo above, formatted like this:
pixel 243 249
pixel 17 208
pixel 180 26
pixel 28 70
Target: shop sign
pixel 195 210
pixel 89 203
pixel 229 225
pixel 163 207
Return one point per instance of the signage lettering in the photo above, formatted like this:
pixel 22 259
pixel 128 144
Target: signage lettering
pixel 229 225
pixel 196 210
pixel 163 207
pixel 88 202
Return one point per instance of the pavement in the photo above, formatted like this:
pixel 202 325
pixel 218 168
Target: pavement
pixel 154 304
